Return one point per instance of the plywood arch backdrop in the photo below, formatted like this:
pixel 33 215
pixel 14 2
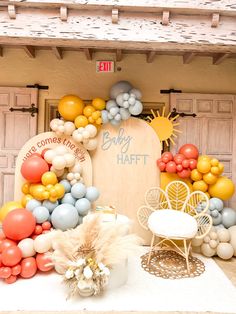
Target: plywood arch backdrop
pixel 124 167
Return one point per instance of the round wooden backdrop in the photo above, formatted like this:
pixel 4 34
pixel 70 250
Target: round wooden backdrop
pixel 49 140
pixel 124 167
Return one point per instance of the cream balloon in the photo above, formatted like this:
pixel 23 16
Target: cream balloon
pixel 58 173
pixel 27 247
pixel 225 250
pixel 59 162
pixel 223 235
pixel 76 168
pixel 49 155
pixel 91 129
pixel 207 250
pixel 91 144
pixel 70 160
pixel 43 243
pixel 69 127
pixel 232 231
pixel 60 150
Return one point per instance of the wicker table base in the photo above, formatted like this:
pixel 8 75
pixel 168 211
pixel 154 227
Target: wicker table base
pixel 170 265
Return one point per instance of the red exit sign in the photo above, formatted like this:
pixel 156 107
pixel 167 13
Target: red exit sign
pixel 105 66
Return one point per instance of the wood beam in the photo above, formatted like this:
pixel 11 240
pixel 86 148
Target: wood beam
pixel 115 16
pixel 215 20
pixel 88 53
pixel 165 18
pixel 58 52
pixel 188 57
pixel 150 56
pixel 30 51
pixel 119 55
pixel 63 13
pixel 1 52
pixel 219 58
pixel 11 11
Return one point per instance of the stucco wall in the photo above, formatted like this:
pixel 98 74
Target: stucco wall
pixel 74 74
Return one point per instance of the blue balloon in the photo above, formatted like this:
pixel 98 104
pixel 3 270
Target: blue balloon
pixel 66 185
pixel 78 190
pixel 68 199
pixel 41 214
pixel 32 204
pixel 92 193
pixel 64 217
pixel 83 206
pixel 50 205
pixel 216 203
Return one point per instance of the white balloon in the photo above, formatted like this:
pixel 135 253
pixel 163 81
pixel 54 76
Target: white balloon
pixel 43 243
pixel 126 104
pixel 49 155
pixel 120 100
pixel 110 104
pixel 61 128
pixel 59 162
pixel 70 160
pixel 73 182
pixel 69 127
pixel 61 150
pixel 117 117
pixel 58 173
pixel 70 176
pixel 136 92
pixel 27 247
pixel 91 144
pixel 76 168
pixel 131 101
pixel 53 125
pixel 136 109
pixel 77 137
pixel 86 134
pixel 77 176
pixel 60 122
pixel 125 96
pixel 114 111
pixel 91 129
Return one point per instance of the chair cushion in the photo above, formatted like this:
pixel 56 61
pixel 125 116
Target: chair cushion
pixel 172 224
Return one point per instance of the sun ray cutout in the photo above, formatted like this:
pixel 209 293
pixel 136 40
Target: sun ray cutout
pixel 164 126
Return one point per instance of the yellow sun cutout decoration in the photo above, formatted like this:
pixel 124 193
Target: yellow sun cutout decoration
pixel 164 126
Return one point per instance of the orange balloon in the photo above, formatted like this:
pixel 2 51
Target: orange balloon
pixel 81 121
pixel 10 279
pixel 25 199
pixel 88 110
pixel 70 107
pixel 42 261
pixel 6 243
pixel 28 267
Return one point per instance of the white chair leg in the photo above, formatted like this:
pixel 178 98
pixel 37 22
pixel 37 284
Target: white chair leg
pixel 186 253
pixel 151 248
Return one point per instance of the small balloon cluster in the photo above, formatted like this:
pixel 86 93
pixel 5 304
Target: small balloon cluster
pixel 124 102
pixel 182 163
pixel 219 241
pixel 23 246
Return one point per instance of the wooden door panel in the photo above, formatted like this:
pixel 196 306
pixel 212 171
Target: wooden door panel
pixel 16 128
pixel 212 131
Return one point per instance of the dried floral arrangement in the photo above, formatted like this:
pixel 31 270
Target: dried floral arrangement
pixel 86 255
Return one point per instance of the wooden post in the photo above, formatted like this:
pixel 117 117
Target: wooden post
pixel 150 56
pixel 115 16
pixel 1 51
pixel 215 20
pixel 188 57
pixel 11 11
pixel 30 51
pixel 63 13
pixel 165 17
pixel 88 53
pixel 219 58
pixel 58 52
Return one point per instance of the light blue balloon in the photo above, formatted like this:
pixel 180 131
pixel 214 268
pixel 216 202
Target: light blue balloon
pixel 111 104
pixel 66 185
pixel 114 122
pixel 68 199
pixel 92 193
pixel 64 217
pixel 136 92
pixel 125 114
pixel 120 87
pixel 50 205
pixel 104 114
pixel 217 220
pixel 136 109
pixel 214 213
pixel 219 205
pixel 228 217
pixel 41 214
pixel 80 220
pixel 83 206
pixel 78 190
pixel 32 204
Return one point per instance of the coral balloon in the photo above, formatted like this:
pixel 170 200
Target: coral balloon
pixel 184 174
pixel 179 158
pixel 162 166
pixel 19 224
pixel 166 178
pixel 5 272
pixel 6 243
pixel 171 167
pixel 167 155
pixel 190 151
pixel 16 270
pixel 70 107
pixel 28 267
pixel 185 163
pixel 10 279
pixel 7 207
pixel 44 262
pixel 192 164
pixel 223 188
pixel 33 168
pixel 11 256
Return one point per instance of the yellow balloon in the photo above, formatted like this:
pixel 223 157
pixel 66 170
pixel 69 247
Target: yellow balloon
pixel 37 191
pixel 53 192
pixel 99 121
pixel 210 178
pixel 208 195
pixel 204 157
pixel 70 107
pixel 203 166
pixel 49 177
pixel 25 199
pixel 200 186
pixel 88 110
pixel 96 115
pixel 221 167
pixel 91 119
pixel 223 188
pixel 60 190
pixel 81 121
pixel 166 178
pixel 25 188
pixel 7 207
pixel 215 170
pixel 214 162
pixel 99 103
pixel 196 175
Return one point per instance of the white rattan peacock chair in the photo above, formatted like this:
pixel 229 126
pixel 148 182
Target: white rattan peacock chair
pixel 175 216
